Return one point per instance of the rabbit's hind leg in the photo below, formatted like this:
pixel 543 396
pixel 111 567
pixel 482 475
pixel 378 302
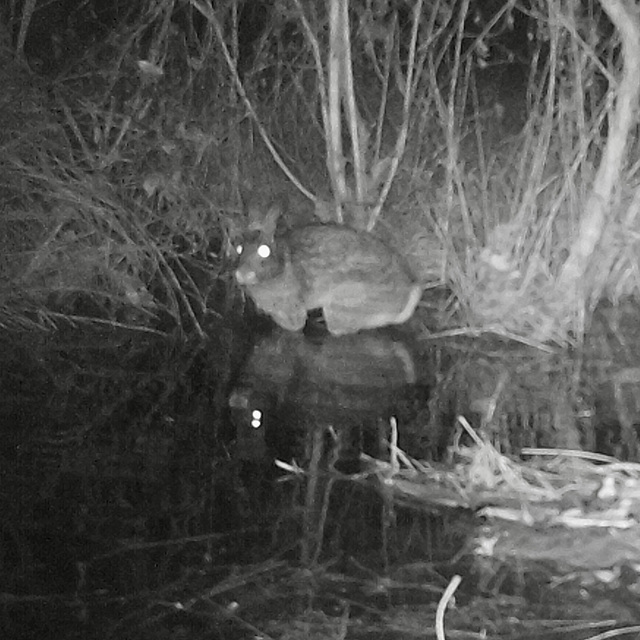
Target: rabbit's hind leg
pixel 343 319
pixel 380 307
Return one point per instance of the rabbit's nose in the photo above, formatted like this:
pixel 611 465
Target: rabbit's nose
pixel 246 277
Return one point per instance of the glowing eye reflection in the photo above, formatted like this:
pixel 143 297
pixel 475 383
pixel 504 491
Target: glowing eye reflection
pixel 264 251
pixel 256 418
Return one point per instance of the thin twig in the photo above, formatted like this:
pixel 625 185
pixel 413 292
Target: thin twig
pixel 442 605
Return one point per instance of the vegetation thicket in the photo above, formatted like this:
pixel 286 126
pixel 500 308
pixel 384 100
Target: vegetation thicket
pixel 494 143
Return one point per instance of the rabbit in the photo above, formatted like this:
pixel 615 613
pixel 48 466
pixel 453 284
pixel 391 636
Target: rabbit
pixel 355 278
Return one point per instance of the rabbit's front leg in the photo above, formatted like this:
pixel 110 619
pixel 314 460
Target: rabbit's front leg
pixel 291 317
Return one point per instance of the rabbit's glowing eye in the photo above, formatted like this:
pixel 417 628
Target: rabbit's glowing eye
pixel 239 249
pixel 264 251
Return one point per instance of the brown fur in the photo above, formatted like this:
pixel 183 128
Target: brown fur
pixel 357 280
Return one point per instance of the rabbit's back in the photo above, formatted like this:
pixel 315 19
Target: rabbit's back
pixel 356 279
pixel 333 253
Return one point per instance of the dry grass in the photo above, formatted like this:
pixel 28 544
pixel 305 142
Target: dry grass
pixel 534 510
pixel 110 213
pixel 521 222
pixel 123 182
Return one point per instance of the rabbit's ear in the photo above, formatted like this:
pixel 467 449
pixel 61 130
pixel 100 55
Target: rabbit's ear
pixel 270 221
pixel 233 229
pixel 255 217
pixel 266 223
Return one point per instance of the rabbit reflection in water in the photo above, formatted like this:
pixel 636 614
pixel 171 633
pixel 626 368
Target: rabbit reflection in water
pixel 357 280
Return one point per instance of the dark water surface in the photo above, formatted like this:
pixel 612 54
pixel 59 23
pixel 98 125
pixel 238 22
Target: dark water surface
pixel 141 498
